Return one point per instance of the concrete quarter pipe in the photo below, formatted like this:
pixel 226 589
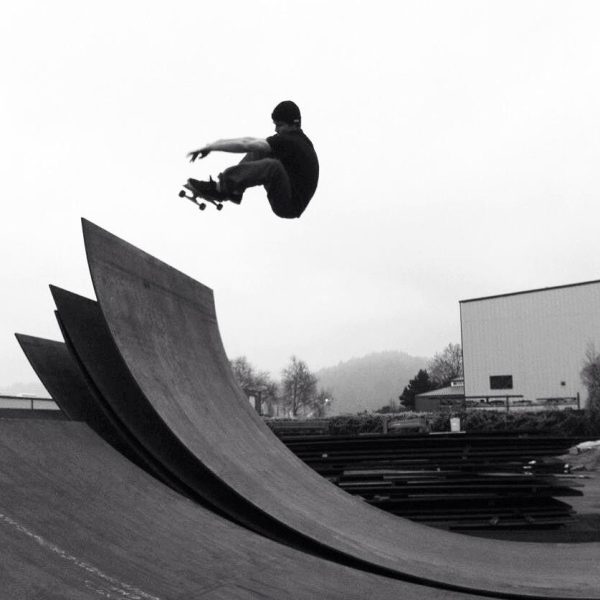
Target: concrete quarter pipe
pixel 164 325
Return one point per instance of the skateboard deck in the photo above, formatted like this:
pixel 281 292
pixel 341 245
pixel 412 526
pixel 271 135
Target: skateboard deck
pixel 200 201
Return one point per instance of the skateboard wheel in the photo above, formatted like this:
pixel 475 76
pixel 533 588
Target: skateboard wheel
pixel 201 206
pixel 219 207
pixel 181 194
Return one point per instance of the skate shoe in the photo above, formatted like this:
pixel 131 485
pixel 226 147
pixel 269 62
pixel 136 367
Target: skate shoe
pixel 206 189
pixel 209 191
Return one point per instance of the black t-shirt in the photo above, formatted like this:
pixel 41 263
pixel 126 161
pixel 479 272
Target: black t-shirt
pixel 298 156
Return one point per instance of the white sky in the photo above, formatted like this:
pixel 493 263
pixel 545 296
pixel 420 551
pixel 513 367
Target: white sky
pixel 459 146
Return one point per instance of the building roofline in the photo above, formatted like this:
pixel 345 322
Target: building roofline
pixel 457 391
pixel 545 289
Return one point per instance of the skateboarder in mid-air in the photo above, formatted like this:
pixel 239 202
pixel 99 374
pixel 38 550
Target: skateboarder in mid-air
pixel 285 164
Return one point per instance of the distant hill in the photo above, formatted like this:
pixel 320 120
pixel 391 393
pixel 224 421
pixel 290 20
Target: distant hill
pixel 370 382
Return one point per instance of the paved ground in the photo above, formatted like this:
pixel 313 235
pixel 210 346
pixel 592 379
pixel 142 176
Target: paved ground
pixel 585 526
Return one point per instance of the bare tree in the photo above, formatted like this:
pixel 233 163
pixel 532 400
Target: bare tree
pixel 446 365
pixel 299 386
pixel 590 376
pixel 322 402
pixel 255 382
pixel 244 372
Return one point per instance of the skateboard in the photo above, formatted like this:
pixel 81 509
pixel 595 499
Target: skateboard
pixel 201 202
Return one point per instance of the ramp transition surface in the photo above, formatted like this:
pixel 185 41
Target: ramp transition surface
pixel 61 374
pixel 133 418
pixel 114 391
pixel 164 325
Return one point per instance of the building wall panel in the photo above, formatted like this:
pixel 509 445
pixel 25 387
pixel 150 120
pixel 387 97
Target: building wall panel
pixel 538 337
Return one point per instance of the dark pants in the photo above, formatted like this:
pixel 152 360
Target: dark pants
pixel 254 170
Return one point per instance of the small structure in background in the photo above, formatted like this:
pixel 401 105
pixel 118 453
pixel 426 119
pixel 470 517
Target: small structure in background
pixel 255 397
pixel 28 406
pixel 26 402
pixel 448 398
pixel 453 398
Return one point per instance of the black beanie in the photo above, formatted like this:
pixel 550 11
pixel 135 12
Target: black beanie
pixel 288 112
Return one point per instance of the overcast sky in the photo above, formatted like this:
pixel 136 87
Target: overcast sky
pixel 459 144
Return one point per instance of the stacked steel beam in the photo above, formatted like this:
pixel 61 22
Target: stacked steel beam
pixel 453 481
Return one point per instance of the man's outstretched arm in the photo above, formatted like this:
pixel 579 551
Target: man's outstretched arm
pixel 243 144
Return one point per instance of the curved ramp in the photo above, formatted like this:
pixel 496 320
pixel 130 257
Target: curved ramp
pixel 164 324
pixel 58 373
pixel 79 522
pixel 91 353
pixel 133 419
pixel 62 375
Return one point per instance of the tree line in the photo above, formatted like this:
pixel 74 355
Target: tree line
pixel 296 394
pixel 441 370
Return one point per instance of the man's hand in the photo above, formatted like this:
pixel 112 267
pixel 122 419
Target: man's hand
pixel 195 154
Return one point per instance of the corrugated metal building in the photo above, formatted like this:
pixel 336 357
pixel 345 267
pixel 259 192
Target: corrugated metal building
pixel 530 344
